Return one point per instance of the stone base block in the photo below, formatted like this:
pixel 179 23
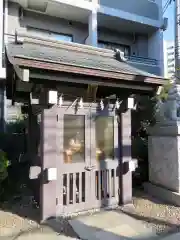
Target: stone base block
pixel 164 161
pixel 162 193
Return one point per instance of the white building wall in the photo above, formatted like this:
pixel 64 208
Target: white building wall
pixel 169 59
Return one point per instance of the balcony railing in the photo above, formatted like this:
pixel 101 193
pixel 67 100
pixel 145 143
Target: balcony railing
pixel 145 8
pixel 143 60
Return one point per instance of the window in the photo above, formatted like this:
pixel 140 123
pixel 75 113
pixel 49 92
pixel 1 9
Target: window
pixel 108 45
pixel 74 138
pixel 61 37
pixel 170 60
pixel 170 48
pixel 171 65
pixel 104 138
pixel 170 53
pixel 51 35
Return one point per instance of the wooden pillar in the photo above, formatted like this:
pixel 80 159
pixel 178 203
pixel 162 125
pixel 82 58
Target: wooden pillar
pixel 32 145
pixel 125 150
pixel 29 131
pixel 32 137
pixel 48 131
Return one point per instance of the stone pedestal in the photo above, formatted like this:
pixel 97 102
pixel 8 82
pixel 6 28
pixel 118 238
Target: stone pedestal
pixel 164 149
pixel 164 155
pixel 164 162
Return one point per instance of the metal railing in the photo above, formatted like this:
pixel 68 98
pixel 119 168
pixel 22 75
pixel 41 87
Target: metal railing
pixel 143 60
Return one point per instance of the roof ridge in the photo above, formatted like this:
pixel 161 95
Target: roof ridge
pixel 30 38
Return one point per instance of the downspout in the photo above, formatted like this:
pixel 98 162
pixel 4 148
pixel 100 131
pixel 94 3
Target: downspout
pixel 134 41
pixel 5 37
pixel 134 38
pixel 177 39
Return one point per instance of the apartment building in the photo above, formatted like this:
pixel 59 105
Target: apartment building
pixel 134 28
pixel 169 59
pixel 61 52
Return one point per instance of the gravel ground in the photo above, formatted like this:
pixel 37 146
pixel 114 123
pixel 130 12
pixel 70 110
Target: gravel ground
pixel 20 216
pixel 163 217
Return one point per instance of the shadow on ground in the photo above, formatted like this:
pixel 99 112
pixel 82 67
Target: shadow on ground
pixel 61 227
pixel 139 193
pixel 98 233
pixel 168 227
pixel 23 205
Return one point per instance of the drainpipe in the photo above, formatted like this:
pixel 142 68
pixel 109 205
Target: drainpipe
pixel 177 40
pixel 1 31
pixel 5 42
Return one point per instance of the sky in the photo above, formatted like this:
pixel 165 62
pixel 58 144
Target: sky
pixel 169 33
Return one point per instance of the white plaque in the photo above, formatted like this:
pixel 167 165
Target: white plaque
pixel 132 166
pixel 130 103
pixel 52 174
pixel 53 97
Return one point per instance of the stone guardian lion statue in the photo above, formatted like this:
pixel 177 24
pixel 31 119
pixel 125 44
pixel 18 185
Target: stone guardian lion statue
pixel 169 110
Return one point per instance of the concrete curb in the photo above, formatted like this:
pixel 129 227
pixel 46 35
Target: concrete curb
pixel 162 193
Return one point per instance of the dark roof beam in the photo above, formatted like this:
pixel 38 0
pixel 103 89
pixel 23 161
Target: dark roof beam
pixel 99 82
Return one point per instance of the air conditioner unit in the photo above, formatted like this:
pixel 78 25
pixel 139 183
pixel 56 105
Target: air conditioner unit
pixel 165 24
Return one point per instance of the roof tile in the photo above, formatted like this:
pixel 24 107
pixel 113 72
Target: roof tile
pixel 72 56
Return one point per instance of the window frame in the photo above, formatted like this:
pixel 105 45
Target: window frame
pixel 67 138
pixel 114 46
pixel 106 157
pixel 50 33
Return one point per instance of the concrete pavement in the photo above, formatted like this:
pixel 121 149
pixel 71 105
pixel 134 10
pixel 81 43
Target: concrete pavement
pixel 43 233
pixel 111 225
pixel 175 236
pixel 107 225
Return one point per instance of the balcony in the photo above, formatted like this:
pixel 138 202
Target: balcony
pixel 145 64
pixel 144 8
pixel 146 61
pixel 144 12
pixel 75 10
pixel 123 25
